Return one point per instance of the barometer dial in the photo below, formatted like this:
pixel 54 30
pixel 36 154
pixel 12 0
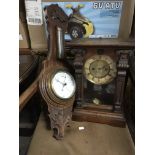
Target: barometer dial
pixel 63 85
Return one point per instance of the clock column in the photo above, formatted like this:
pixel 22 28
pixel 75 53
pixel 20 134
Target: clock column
pixel 122 67
pixel 78 65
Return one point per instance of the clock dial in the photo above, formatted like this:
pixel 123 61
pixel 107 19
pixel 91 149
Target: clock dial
pixel 100 69
pixel 63 85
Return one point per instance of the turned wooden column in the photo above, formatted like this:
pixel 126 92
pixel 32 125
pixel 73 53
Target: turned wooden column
pixel 52 43
pixel 78 66
pixel 122 66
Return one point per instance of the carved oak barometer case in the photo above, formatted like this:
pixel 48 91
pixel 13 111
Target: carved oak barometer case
pixel 57 85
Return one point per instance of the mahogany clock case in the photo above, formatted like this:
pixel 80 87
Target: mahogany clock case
pixel 94 91
pixel 129 99
pixel 95 103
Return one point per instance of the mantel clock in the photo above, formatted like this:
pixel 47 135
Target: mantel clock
pixel 100 78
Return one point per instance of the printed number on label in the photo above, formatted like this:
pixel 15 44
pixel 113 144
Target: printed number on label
pixel 34 20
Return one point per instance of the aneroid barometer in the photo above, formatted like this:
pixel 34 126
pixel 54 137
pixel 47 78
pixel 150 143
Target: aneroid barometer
pixel 57 85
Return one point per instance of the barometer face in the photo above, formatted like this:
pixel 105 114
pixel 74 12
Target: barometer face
pixel 63 85
pixel 100 69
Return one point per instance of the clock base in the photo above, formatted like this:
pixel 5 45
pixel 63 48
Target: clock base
pixel 110 118
pixel 59 119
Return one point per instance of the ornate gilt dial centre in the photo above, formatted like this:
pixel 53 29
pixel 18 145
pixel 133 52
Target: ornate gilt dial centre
pixel 100 69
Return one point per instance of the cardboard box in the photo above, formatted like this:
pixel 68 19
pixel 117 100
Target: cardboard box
pixel 36 26
pixel 37 37
pixel 126 19
pixel 24 41
pixel 122 28
pixel 23 35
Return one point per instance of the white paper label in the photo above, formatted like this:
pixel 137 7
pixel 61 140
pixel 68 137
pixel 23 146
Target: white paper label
pixel 20 37
pixel 33 12
pixel 81 127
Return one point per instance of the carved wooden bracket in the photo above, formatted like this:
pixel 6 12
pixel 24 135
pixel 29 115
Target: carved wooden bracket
pixel 59 119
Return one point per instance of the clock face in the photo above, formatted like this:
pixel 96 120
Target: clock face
pixel 100 69
pixel 63 85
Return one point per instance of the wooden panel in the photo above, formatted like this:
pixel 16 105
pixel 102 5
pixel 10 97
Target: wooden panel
pixel 130 43
pixel 114 119
pixel 102 42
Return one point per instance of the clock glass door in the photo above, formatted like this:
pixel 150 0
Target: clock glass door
pixel 99 94
pixel 99 80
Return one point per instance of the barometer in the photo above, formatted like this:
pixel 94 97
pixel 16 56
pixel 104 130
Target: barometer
pixel 57 85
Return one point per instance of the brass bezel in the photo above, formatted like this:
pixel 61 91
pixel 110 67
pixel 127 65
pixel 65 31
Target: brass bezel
pixel 107 78
pixel 51 86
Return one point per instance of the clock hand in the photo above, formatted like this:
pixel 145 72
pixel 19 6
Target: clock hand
pixel 64 78
pixel 104 67
pixel 64 84
pixel 61 84
pixel 59 81
pixel 66 88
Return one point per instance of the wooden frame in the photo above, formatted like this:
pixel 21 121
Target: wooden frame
pixel 109 114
